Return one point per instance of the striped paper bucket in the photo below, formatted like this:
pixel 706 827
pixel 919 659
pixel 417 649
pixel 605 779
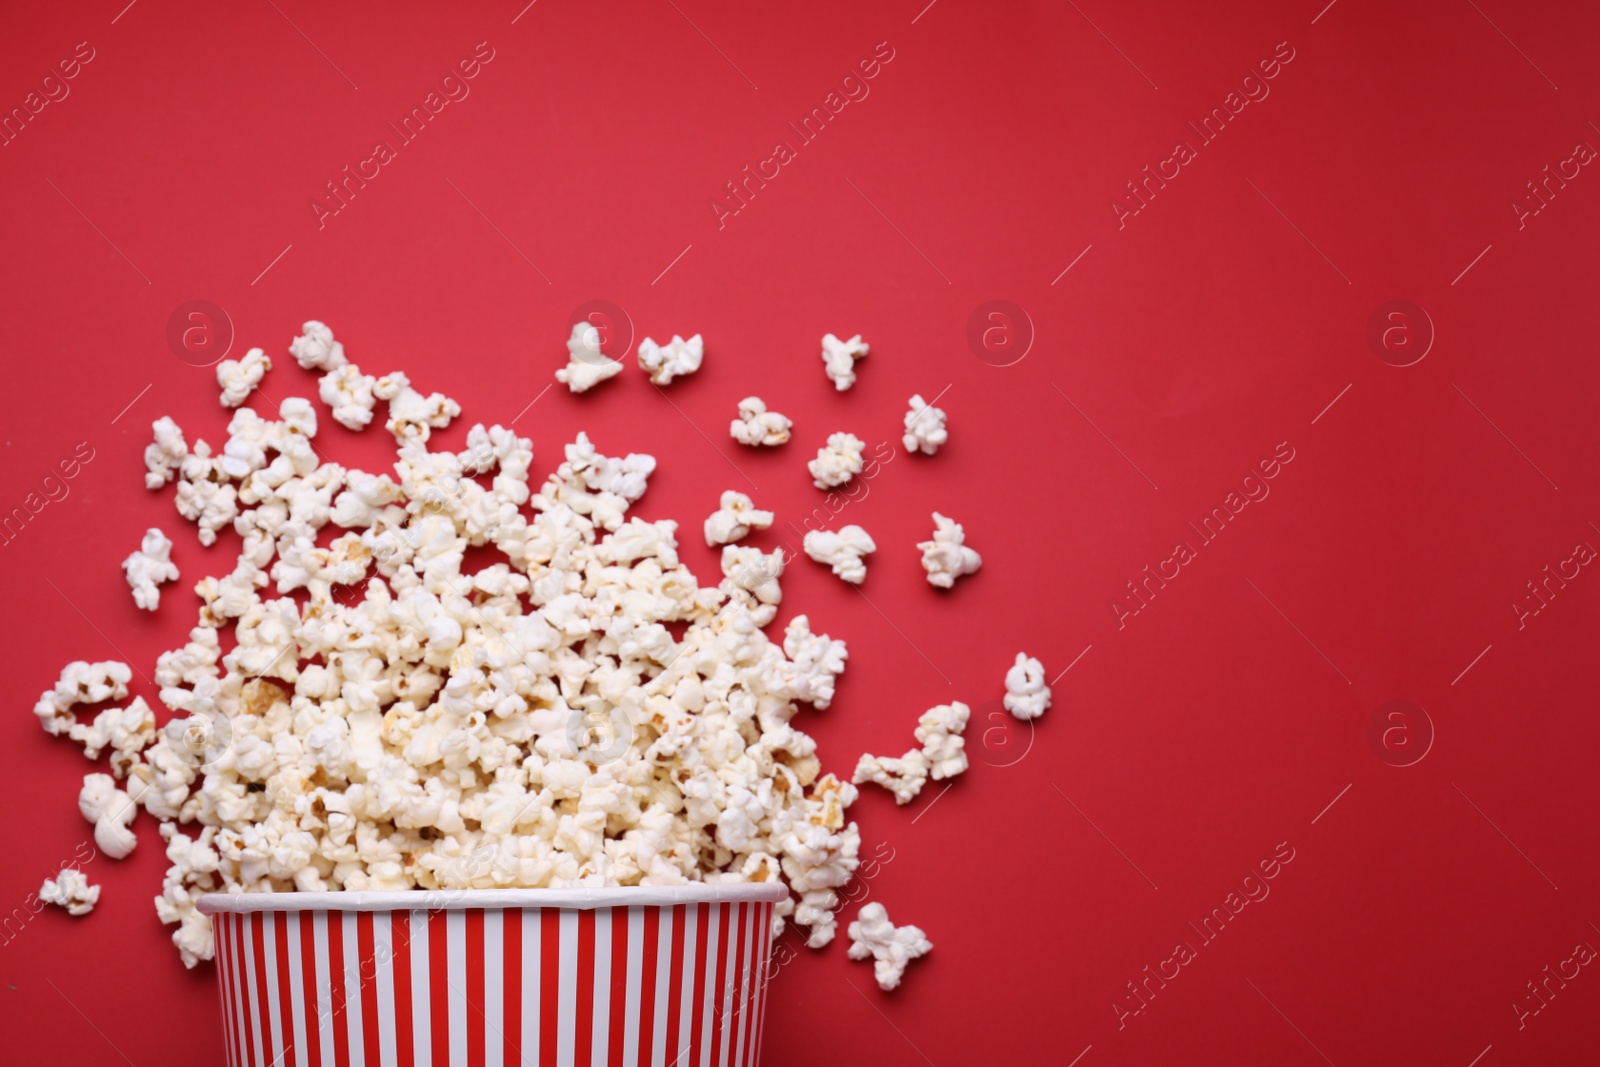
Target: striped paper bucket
pixel 663 976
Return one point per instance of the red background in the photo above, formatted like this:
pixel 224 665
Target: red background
pixel 1222 320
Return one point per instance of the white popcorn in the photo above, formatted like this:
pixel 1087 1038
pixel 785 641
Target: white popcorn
pixel 413 416
pixel 112 811
pixel 890 947
pixel 80 683
pixel 939 732
pixel 149 567
pixel 734 519
pixel 674 360
pixel 903 776
pixel 947 556
pixel 350 394
pixel 757 426
pixel 925 430
pixel 818 661
pixel 238 378
pixel 587 366
pixel 70 890
pixel 315 348
pixel 838 461
pixel 1027 695
pixel 844 551
pixel 839 359
pixel 125 731
pixel 165 456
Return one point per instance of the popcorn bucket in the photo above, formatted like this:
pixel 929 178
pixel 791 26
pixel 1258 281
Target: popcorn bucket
pixel 668 976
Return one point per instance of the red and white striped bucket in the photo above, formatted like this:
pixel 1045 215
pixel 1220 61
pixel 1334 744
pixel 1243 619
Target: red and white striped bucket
pixel 643 977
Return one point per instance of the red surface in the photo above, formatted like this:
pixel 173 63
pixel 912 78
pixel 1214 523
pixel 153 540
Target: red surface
pixel 1219 722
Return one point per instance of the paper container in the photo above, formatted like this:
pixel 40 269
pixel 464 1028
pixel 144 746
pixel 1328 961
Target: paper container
pixel 668 976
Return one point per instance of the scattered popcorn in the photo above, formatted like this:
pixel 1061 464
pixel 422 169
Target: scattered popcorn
pixel 1027 696
pixel 844 551
pixel 838 461
pixel 947 556
pixel 125 731
pixel 839 359
pixel 757 426
pixel 587 366
pixel 904 777
pixel 675 360
pixel 925 430
pixel 412 416
pixel 80 683
pixel 239 377
pixel 891 947
pixel 149 567
pixel 70 890
pixel 315 348
pixel 350 394
pixel 734 519
pixel 939 732
pixel 112 811
pixel 163 458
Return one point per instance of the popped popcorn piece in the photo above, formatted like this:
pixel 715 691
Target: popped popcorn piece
pixel 756 426
pixel 674 360
pixel 80 683
pixel 112 811
pixel 1027 695
pixel 125 731
pixel 238 378
pixel 947 556
pixel 149 567
pixel 412 416
pixel 939 733
pixel 315 348
pixel 925 430
pixel 817 660
pixel 734 519
pixel 350 394
pixel 891 947
pixel 845 551
pixel 587 366
pixel 165 455
pixel 838 461
pixel 839 359
pixel 70 890
pixel 903 776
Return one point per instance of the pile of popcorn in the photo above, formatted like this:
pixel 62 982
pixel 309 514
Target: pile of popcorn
pixel 388 718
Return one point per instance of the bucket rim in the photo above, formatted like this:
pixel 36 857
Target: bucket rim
pixel 464 899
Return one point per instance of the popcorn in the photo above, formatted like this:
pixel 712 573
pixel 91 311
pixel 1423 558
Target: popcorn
pixel 586 365
pixel 925 430
pixel 149 567
pixel 70 890
pixel 239 377
pixel 412 416
pixel 904 777
pixel 675 360
pixel 890 947
pixel 734 519
pixel 838 461
pixel 80 683
pixel 844 551
pixel 350 394
pixel 1027 696
pixel 315 348
pixel 757 426
pixel 839 359
pixel 112 811
pixel 126 731
pixel 947 556
pixel 939 733
pixel 163 458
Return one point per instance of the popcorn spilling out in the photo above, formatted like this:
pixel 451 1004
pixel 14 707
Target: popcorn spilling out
pixel 239 377
pixel 587 366
pixel 734 519
pixel 890 947
pixel 676 359
pixel 947 556
pixel 70 890
pixel 1027 696
pixel 942 755
pixel 838 461
pixel 757 426
pixel 925 430
pixel 839 359
pixel 149 567
pixel 844 551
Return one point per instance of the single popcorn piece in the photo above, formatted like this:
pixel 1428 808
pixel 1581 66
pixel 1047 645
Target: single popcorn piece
pixel 734 519
pixel 70 890
pixel 80 683
pixel 149 567
pixel 164 457
pixel 587 366
pixel 925 430
pixel 239 377
pixel 1027 696
pixel 939 733
pixel 756 426
pixel 350 394
pixel 413 416
pixel 675 359
pixel 890 947
pixel 904 777
pixel 315 348
pixel 112 811
pixel 845 551
pixel 839 359
pixel 838 461
pixel 947 556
